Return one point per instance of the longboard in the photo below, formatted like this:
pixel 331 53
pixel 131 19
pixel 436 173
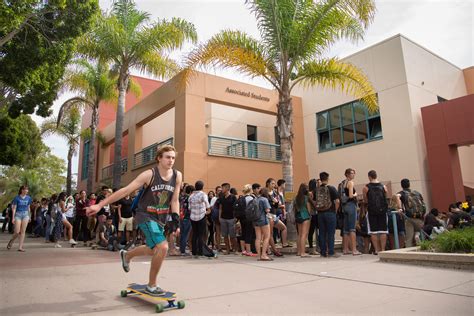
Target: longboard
pixel 169 298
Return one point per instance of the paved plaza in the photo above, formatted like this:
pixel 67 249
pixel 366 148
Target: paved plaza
pixel 48 281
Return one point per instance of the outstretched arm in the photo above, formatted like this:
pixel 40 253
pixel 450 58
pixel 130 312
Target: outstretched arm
pixel 142 179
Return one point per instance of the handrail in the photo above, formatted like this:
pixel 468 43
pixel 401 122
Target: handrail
pixel 107 171
pixel 147 154
pixel 240 148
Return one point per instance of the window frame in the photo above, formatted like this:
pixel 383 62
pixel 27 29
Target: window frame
pixel 329 128
pixel 85 160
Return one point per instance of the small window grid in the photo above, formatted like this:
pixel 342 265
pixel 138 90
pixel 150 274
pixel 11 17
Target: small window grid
pixel 85 160
pixel 346 125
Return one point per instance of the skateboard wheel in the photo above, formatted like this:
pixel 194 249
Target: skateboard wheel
pixel 123 293
pixel 181 304
pixel 159 308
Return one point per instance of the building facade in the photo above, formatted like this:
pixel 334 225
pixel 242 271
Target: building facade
pixel 340 133
pixel 224 130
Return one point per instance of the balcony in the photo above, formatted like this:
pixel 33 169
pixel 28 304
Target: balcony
pixel 147 155
pixel 108 171
pixel 239 148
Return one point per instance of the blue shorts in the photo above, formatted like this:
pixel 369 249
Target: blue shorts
pixel 350 217
pixel 21 216
pixel 154 233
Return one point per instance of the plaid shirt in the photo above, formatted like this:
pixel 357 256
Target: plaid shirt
pixel 198 203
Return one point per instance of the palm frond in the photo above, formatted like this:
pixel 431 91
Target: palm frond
pixel 86 135
pixel 274 21
pixel 68 105
pixel 332 73
pixel 157 65
pixel 232 49
pixel 321 24
pixel 165 35
pixel 134 87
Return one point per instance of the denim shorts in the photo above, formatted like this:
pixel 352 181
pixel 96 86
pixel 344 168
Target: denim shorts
pixel 262 221
pixel 350 216
pixel 227 227
pixel 154 233
pixel 21 216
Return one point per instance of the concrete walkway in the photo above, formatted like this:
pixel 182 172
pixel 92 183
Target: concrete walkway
pixel 48 281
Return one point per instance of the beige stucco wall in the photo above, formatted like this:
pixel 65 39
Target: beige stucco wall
pixel 232 122
pixel 396 67
pixel 192 110
pixel 466 157
pixel 428 76
pixel 157 130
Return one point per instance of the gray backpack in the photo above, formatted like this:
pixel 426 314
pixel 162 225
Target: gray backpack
pixel 252 210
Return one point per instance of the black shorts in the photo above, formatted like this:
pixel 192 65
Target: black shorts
pixel 377 224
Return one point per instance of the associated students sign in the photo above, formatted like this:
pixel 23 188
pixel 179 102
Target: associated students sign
pixel 247 94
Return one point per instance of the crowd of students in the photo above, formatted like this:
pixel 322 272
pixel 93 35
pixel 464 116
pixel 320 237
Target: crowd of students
pixel 252 223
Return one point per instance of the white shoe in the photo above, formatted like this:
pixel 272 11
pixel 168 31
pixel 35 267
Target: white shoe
pixel 72 242
pixel 58 246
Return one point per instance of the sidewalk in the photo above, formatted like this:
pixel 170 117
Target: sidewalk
pixel 45 281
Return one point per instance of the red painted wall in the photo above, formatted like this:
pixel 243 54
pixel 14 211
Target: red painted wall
pixel 447 125
pixel 107 113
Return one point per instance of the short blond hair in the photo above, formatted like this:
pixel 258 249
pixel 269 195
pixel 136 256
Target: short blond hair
pixel 164 149
pixel 247 189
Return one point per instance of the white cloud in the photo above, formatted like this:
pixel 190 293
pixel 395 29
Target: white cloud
pixel 443 26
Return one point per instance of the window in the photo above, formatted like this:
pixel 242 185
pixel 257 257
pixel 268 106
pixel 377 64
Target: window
pixel 85 159
pixel 347 124
pixel 277 136
pixel 252 133
pixel 252 149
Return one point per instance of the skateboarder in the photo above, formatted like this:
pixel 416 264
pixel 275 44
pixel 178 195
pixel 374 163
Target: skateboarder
pixel 157 212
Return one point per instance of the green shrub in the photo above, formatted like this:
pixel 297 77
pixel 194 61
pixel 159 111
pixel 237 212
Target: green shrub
pixel 455 241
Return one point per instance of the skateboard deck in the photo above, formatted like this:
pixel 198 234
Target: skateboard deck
pixel 168 298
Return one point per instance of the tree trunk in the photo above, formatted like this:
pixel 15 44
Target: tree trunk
pixel 69 171
pixel 91 158
pixel 285 128
pixel 117 171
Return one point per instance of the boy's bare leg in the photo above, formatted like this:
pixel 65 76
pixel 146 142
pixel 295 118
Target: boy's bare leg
pixel 140 251
pixel 159 255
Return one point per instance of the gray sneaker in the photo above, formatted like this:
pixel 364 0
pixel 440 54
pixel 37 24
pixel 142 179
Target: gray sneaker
pixel 154 291
pixel 125 264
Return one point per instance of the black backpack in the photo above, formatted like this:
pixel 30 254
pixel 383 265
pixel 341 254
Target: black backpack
pixel 376 200
pixel 252 210
pixel 342 192
pixel 239 207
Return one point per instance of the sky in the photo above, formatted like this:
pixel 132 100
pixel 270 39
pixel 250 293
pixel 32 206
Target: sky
pixel 445 27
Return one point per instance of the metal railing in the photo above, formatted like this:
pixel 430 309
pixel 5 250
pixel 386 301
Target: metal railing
pixel 239 148
pixel 107 172
pixel 394 215
pixel 147 154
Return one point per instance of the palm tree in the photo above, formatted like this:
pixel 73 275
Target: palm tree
pixel 69 129
pixel 125 39
pixel 93 83
pixel 294 36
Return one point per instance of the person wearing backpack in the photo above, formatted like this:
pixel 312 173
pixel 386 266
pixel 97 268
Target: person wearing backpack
pixel 414 208
pixel 326 204
pixel 348 196
pixel 313 226
pixel 185 221
pixel 375 195
pixel 246 225
pixel 262 224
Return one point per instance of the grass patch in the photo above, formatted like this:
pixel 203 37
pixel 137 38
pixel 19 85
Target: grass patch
pixel 455 241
